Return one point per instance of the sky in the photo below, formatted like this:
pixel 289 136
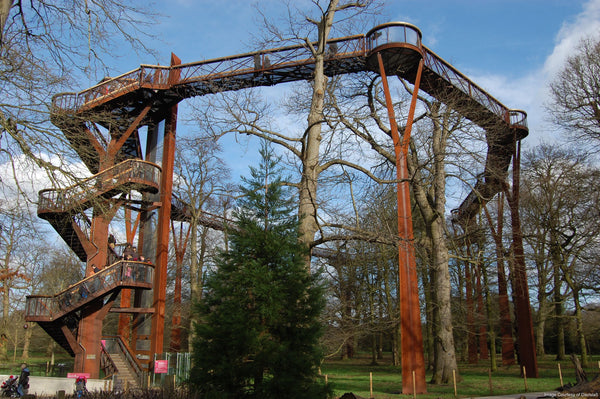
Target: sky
pixel 511 48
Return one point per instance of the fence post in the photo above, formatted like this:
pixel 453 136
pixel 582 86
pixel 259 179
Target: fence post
pixel 560 375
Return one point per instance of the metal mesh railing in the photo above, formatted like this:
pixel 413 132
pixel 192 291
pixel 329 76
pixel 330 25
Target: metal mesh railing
pixel 158 77
pixel 518 118
pixel 278 60
pixel 271 60
pixel 122 273
pixel 62 200
pixel 464 84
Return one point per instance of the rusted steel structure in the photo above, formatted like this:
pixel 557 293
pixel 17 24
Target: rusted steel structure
pixel 105 122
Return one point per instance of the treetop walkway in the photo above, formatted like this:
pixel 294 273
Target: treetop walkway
pixel 102 124
pixel 63 208
pixel 54 311
pixel 157 87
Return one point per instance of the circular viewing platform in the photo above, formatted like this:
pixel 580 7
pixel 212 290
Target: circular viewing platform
pixel 518 121
pixel 399 44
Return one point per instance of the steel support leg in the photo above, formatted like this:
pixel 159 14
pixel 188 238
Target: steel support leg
pixel 164 217
pixel 527 355
pixel 412 357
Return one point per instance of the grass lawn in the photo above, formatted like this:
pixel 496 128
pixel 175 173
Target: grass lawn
pixel 38 365
pixel 353 376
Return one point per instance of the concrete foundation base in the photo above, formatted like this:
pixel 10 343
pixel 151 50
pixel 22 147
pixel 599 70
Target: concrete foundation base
pixel 49 386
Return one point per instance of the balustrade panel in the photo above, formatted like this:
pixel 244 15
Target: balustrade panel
pixel 121 273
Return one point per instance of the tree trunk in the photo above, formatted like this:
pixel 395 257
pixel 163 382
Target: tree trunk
pixel 558 316
pixel 196 270
pixel 508 345
pixel 445 356
pixel 396 345
pixel 5 303
pixel 427 290
pixel 540 326
pixel 307 210
pixel 580 375
pixel 488 312
pixel 560 337
pixel 580 333
pixel 470 309
pixel 26 343
pixel 481 316
pixel 435 222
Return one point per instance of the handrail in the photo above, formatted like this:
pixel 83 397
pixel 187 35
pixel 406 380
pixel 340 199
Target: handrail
pixel 217 222
pixel 61 200
pixel 107 364
pixel 518 118
pixel 275 61
pixel 156 76
pixel 452 75
pixel 268 60
pixel 115 344
pixel 121 273
pixel 409 34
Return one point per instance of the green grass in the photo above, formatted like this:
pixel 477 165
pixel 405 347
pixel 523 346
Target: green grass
pixel 353 376
pixel 37 365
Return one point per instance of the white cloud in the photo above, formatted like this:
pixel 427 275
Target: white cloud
pixel 21 175
pixel 587 23
pixel 530 93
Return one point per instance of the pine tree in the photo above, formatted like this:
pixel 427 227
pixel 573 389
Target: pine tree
pixel 258 331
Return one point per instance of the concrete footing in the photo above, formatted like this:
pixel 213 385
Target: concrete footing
pixel 50 386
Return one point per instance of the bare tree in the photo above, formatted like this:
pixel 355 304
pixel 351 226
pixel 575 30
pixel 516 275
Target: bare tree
pixel 429 188
pixel 46 48
pixel 15 231
pixel 575 93
pixel 201 177
pixel 562 200
pixel 312 29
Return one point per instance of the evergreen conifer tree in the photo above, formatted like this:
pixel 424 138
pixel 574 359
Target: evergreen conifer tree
pixel 258 329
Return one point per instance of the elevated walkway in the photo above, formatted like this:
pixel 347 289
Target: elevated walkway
pixel 145 96
pixel 63 208
pixel 59 314
pixel 180 211
pixel 154 89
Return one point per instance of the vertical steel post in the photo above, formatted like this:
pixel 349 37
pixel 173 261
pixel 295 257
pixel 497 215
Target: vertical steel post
pixel 180 244
pixel 164 217
pixel 412 356
pixel 470 308
pixel 90 325
pixel 527 355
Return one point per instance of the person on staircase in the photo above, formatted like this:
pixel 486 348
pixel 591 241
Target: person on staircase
pixel 112 256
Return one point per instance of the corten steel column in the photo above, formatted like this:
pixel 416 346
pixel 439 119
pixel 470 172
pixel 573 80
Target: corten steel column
pixel 508 346
pixel 527 355
pixel 180 245
pixel 141 322
pixel 484 353
pixel 411 339
pixel 90 325
pixel 164 217
pixel 470 308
